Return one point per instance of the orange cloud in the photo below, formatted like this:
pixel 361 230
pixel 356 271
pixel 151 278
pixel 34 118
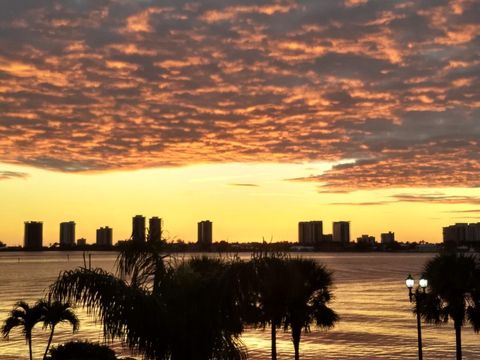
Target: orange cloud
pixel 123 85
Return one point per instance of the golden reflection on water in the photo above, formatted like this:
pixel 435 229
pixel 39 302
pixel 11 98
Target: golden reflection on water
pixel 370 297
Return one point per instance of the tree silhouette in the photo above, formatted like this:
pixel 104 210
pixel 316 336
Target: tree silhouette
pixel 162 309
pixel 25 317
pixel 54 313
pixel 204 307
pixel 290 293
pixel 310 292
pixel 80 350
pixel 453 293
pixel 272 291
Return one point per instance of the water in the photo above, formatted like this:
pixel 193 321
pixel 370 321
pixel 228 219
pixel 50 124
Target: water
pixel 370 297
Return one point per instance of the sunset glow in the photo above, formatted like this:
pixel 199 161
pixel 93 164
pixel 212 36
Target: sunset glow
pixel 255 115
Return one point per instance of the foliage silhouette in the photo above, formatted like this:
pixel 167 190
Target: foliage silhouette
pixel 164 310
pixel 272 293
pixel 453 293
pixel 25 317
pixel 310 292
pixel 54 313
pixel 290 293
pixel 81 350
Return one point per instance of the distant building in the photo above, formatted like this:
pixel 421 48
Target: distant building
pixel 104 236
pixel 33 235
pixel 341 232
pixel 366 240
pixel 310 232
pixel 67 233
pixel 204 238
pixel 461 233
pixel 387 238
pixel 155 229
pixel 327 237
pixel 138 228
pixel 473 233
pixel 81 242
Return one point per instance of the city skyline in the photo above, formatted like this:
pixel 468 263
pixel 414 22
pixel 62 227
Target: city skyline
pixel 254 115
pixel 309 233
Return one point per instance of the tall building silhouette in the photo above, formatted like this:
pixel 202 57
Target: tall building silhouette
pixel 67 233
pixel 33 235
pixel 104 236
pixel 310 232
pixel 461 233
pixel 341 232
pixel 387 238
pixel 204 233
pixel 155 229
pixel 138 228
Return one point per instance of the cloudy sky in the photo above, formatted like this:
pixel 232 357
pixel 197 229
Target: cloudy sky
pixel 255 114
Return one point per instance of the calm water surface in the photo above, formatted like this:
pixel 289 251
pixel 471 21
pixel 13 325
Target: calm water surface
pixel 370 297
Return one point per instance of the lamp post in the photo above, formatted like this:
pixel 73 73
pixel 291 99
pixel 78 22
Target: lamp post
pixel 415 297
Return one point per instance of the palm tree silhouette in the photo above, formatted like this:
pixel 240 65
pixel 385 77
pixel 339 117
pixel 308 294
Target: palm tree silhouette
pixel 310 292
pixel 453 293
pixel 54 313
pixel 204 307
pixel 271 287
pixel 162 309
pixel 25 317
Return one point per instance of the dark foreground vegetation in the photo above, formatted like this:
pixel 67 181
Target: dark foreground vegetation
pixel 163 307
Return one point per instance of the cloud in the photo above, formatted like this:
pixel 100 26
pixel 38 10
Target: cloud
pixel 245 185
pixel 388 89
pixel 5 175
pixel 365 203
pixel 438 198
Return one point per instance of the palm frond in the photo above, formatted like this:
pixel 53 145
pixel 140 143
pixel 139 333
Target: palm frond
pixel 128 313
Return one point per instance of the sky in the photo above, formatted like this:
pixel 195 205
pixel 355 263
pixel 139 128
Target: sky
pixel 253 114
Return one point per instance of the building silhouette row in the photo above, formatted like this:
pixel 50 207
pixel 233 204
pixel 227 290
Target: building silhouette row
pixel 309 233
pixel 33 233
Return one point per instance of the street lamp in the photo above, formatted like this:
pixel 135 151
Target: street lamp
pixel 416 297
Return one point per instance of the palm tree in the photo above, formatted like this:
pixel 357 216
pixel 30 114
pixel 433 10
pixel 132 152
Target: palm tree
pixel 204 307
pixel 310 289
pixel 163 310
pixel 271 272
pixel 25 317
pixel 54 313
pixel 453 293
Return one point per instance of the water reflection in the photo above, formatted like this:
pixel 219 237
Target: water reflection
pixel 370 297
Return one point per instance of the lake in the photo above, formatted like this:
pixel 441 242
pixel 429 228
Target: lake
pixel 370 297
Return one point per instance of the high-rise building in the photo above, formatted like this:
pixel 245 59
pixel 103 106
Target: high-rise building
pixel 341 232
pixel 155 229
pixel 104 236
pixel 387 238
pixel 366 240
pixel 310 232
pixel 67 233
pixel 204 233
pixel 81 242
pixel 461 233
pixel 138 228
pixel 33 235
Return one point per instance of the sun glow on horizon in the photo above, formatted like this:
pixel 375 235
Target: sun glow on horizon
pixel 246 202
